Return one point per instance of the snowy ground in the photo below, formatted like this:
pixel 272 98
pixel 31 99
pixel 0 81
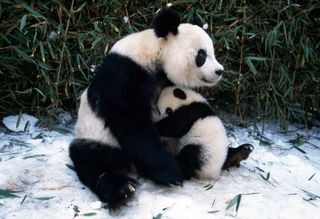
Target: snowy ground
pixel 278 181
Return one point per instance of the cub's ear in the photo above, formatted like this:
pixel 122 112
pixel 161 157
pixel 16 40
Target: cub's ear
pixel 166 21
pixel 180 94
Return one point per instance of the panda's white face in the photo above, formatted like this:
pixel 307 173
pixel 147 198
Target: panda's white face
pixel 172 98
pixel 188 58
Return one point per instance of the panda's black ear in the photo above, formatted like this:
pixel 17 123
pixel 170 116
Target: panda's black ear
pixel 166 21
pixel 178 93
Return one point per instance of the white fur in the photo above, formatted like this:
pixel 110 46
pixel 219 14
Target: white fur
pixel 142 47
pixel 175 53
pixel 210 134
pixel 179 54
pixel 89 126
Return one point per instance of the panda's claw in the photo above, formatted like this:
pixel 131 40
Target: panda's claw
pixel 247 146
pixel 115 190
pixel 131 188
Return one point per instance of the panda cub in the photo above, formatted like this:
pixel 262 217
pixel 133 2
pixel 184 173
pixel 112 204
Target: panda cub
pixel 203 143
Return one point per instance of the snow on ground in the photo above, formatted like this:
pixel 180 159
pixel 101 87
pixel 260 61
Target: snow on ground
pixel 278 181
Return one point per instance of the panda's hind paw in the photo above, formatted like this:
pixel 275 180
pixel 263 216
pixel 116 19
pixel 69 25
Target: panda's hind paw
pixel 236 155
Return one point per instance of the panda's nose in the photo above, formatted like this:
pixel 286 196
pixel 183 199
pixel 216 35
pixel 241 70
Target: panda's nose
pixel 219 72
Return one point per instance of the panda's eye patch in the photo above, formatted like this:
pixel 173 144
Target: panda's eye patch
pixel 169 111
pixel 201 57
pixel 178 93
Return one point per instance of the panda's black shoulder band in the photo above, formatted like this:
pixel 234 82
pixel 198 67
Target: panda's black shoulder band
pixel 166 21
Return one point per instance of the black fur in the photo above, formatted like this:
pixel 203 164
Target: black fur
pixel 182 119
pixel 236 155
pixel 201 57
pixel 169 111
pixel 103 169
pixel 189 160
pixel 162 82
pixel 121 94
pixel 166 21
pixel 178 93
pixel 197 20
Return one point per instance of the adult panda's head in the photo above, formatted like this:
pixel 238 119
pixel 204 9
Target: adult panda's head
pixel 186 51
pixel 174 97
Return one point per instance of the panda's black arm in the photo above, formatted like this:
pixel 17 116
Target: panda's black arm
pixel 121 94
pixel 139 140
pixel 180 121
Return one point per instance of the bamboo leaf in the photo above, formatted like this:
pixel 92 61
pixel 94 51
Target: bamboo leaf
pixel 26 126
pixel 90 214
pixel 81 7
pixel 266 178
pixel 158 216
pixel 312 176
pixel 213 212
pixel 235 201
pixel 299 149
pixel 40 92
pixel 42 52
pixel 44 198
pixel 19 119
pixel 23 22
pixel 5 193
pixel 32 11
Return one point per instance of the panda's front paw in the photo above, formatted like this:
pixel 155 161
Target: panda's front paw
pixel 166 173
pixel 115 190
pixel 168 176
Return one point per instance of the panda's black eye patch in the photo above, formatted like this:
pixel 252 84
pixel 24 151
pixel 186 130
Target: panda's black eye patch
pixel 178 93
pixel 169 111
pixel 201 57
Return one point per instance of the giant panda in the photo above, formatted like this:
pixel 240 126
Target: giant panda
pixel 203 147
pixel 115 128
pixel 203 142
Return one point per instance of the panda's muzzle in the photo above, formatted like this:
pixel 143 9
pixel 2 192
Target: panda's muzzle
pixel 217 75
pixel 208 81
pixel 219 72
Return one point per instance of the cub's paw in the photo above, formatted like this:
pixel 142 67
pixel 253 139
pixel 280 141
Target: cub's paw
pixel 236 155
pixel 116 190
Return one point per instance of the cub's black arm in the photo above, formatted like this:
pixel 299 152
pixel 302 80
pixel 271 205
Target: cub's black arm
pixel 181 120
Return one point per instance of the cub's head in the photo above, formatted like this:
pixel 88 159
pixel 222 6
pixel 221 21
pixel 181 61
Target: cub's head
pixel 187 53
pixel 172 98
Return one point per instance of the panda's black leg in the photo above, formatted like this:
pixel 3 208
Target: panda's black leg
pixel 104 170
pixel 189 159
pixel 236 155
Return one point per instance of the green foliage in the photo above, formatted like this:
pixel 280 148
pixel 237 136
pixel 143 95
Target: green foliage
pixel 270 50
pixel 236 200
pixel 6 193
